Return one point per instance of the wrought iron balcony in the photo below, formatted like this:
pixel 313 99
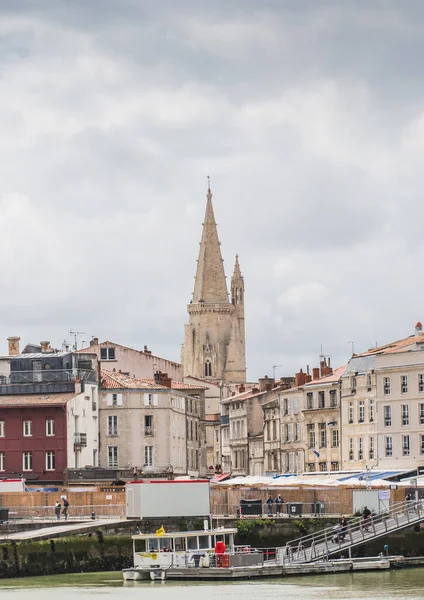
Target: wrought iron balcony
pixel 80 439
pixel 148 430
pixel 112 431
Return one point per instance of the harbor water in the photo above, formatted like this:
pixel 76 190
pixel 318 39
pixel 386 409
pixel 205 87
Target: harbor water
pixel 406 583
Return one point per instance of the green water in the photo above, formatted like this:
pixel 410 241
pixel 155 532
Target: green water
pixel 407 583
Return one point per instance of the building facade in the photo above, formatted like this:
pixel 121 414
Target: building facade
pixel 214 345
pixel 148 426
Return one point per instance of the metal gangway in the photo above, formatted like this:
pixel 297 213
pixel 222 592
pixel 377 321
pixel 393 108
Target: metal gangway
pixel 327 542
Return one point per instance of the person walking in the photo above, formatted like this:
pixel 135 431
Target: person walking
pixel 366 518
pixel 278 505
pixel 57 508
pixel 344 524
pixel 65 508
pixel 270 503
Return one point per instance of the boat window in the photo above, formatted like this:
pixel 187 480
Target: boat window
pixel 192 543
pixel 179 544
pixel 204 542
pixel 228 540
pixel 165 545
pixel 140 545
pixel 153 544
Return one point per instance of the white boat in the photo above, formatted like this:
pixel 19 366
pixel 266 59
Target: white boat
pixel 158 554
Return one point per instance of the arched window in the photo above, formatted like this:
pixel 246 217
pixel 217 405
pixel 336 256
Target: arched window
pixel 208 369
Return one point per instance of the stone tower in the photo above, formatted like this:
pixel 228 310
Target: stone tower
pixel 214 346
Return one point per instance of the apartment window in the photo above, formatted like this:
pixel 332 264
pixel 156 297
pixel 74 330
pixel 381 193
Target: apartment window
pixel 114 399
pixel 2 428
pixel 321 399
pixel 405 414
pixel 49 427
pixel 217 435
pixel 322 435
pixel 387 416
pixel 148 456
pixel 335 441
pixel 371 448
pixel 148 424
pixel 285 406
pixel 27 461
pixel 350 412
pixel 334 466
pixel 322 466
pixel 2 461
pixel 112 456
pixel 27 428
pixel 112 425
pixel 274 429
pixel 297 432
pixel 50 460
pixel 360 448
pixel 422 443
pixel 369 380
pixel 386 386
pixel 404 384
pixel 406 449
pixel 310 401
pixel 208 368
pixel 421 383
pixel 361 411
pixel 351 449
pixel 333 398
pixel 353 383
pixel 421 413
pixel 371 407
pixel 311 467
pixel 388 445
pixel 311 434
pixel 107 353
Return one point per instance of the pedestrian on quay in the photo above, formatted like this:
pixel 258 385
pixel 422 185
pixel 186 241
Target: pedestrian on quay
pixel 366 518
pixel 57 508
pixel 344 524
pixel 278 505
pixel 270 503
pixel 65 508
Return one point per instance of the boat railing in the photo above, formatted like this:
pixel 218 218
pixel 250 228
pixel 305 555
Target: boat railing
pixel 275 510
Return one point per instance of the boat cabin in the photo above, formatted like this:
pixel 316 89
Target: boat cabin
pixel 179 548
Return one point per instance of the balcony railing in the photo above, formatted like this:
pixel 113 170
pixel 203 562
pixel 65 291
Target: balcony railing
pixel 80 439
pixel 148 430
pixel 112 431
pixel 48 376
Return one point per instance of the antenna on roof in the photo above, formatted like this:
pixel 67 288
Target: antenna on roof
pixel 353 345
pixel 76 334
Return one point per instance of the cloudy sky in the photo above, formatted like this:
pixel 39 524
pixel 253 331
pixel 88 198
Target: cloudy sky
pixel 307 115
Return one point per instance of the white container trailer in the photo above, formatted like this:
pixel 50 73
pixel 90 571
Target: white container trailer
pixel 160 498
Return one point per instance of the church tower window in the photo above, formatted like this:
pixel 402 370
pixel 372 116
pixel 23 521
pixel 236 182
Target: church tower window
pixel 208 368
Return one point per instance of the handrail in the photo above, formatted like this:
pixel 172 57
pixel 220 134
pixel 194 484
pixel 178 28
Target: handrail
pixel 328 541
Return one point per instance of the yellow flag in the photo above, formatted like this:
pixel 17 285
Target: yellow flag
pixel 160 531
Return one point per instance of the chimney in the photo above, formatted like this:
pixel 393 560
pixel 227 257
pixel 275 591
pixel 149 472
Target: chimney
pixel 13 345
pixel 300 378
pixel 45 346
pixel 163 379
pixel 418 328
pixel 308 378
pixel 241 389
pixel 265 384
pixel 94 341
pixel 307 369
pixel 146 350
pixel 315 373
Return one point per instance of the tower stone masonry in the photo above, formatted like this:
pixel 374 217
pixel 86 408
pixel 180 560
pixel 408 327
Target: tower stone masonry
pixel 214 346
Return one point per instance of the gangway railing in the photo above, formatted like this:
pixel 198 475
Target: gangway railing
pixel 332 540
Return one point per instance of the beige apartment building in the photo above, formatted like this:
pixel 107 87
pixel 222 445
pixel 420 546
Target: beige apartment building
pixel 148 426
pixel 322 419
pixel 136 363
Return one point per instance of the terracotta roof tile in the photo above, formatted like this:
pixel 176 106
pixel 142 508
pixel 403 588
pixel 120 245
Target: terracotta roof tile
pixel 112 380
pixel 181 385
pixel 399 346
pixel 36 400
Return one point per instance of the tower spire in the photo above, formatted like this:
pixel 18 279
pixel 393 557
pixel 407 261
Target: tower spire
pixel 210 286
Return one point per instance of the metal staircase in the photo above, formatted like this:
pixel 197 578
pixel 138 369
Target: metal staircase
pixel 322 544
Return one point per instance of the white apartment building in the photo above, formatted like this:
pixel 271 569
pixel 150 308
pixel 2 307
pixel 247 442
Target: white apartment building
pixel 293 440
pixel 383 406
